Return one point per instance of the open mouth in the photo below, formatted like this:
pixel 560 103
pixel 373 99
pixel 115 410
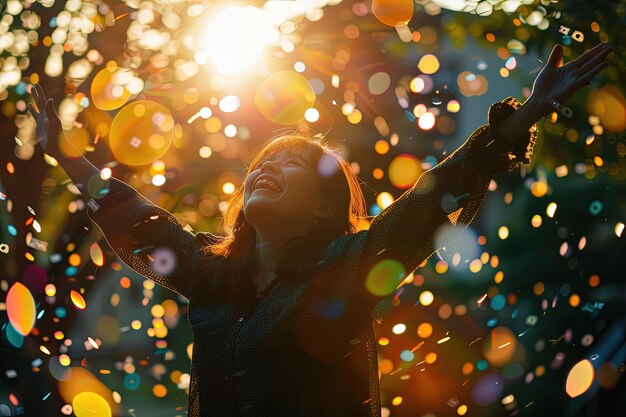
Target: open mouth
pixel 266 184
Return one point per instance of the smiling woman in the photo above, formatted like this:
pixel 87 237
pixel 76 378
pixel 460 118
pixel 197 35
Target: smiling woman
pixel 318 199
pixel 281 304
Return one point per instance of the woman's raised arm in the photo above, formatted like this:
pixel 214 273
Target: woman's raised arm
pixel 448 196
pixel 147 238
pixel 420 221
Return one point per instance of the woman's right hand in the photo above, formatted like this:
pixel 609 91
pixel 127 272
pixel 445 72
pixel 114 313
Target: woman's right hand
pixel 48 123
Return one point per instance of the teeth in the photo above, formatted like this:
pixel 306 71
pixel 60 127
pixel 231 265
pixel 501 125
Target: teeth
pixel 269 183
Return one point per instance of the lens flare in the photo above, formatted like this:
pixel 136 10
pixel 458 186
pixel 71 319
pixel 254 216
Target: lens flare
pixel 237 36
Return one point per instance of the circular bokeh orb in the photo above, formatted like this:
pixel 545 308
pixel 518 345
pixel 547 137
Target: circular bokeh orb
pixel 89 404
pixel 132 381
pixel 141 133
pixel 609 104
pixel 487 389
pixel 72 143
pixel 97 187
pixel 284 97
pixel 107 88
pixel 163 261
pixel 500 346
pixel 384 277
pixel 404 170
pixel 393 12
pixel 57 370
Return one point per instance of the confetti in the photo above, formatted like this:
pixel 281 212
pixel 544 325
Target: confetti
pixel 21 308
pixel 78 300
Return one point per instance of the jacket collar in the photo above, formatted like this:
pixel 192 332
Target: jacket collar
pixel 300 262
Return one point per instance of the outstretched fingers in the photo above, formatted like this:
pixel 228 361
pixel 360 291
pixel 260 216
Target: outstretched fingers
pixel 596 60
pixel 586 77
pixel 32 110
pixel 42 94
pixel 587 56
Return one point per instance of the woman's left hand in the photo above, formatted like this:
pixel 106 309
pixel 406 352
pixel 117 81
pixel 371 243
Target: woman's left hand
pixel 556 82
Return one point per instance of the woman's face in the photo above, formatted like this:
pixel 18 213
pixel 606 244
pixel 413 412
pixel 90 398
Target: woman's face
pixel 283 187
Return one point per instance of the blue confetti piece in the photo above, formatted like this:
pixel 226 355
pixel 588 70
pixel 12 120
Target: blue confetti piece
pixel 595 207
pixel 407 355
pixel 46 397
pixel 375 209
pixel 566 40
pixel 20 88
pixel 60 312
pixel 498 302
pixel 431 160
pixel 132 381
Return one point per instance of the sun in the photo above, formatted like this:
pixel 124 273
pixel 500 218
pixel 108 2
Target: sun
pixel 236 37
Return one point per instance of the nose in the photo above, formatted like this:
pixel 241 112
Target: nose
pixel 272 166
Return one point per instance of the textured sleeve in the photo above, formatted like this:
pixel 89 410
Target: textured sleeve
pixel 445 199
pixel 148 238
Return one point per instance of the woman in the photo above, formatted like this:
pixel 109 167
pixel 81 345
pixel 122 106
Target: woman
pixel 281 305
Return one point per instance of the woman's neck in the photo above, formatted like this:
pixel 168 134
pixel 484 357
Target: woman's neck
pixel 267 257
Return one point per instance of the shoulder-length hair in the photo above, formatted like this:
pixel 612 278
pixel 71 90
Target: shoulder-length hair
pixel 338 183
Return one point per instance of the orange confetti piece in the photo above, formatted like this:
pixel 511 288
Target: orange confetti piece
pixel 580 378
pixel 78 300
pixel 21 308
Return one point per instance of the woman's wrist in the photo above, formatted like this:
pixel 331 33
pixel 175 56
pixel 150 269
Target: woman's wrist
pixel 537 108
pixel 520 121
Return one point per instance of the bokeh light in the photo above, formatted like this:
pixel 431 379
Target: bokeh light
pixel 141 132
pixel 284 97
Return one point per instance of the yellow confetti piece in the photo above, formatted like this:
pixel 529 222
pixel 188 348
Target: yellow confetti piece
pixel 44 349
pixel 444 340
pixel 78 300
pixel 96 254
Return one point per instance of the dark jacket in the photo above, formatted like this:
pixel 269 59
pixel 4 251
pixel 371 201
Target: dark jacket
pixel 304 346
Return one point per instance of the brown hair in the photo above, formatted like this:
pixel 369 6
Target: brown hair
pixel 340 185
